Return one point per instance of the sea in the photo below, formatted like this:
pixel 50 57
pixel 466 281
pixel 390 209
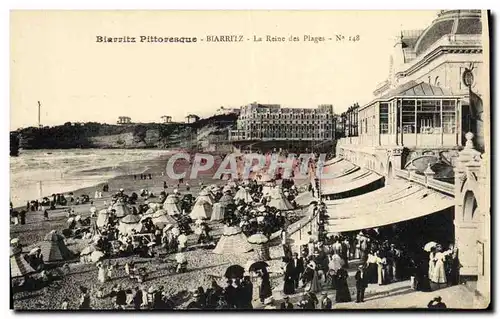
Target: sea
pixel 38 173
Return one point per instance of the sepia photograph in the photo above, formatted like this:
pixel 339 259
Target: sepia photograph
pixel 249 160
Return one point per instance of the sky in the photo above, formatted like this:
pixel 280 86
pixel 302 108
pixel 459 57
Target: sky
pixel 56 60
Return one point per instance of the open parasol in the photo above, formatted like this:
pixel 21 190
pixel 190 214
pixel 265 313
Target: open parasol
pixel 430 245
pixel 234 271
pixel 258 266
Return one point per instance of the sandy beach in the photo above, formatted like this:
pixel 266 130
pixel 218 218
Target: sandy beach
pixel 203 263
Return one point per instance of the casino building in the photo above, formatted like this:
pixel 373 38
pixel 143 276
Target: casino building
pixel 420 147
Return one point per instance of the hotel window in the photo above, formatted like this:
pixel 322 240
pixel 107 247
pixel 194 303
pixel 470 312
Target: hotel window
pixel 384 118
pixel 449 120
pixel 408 107
pixel 429 117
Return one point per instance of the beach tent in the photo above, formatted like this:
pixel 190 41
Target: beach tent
pixel 129 223
pixel 91 255
pixel 232 241
pixel 265 178
pixel 155 206
pixel 226 200
pixel 54 249
pixel 172 205
pixel 206 195
pixel 243 194
pixel 267 189
pixel 121 209
pixel 19 267
pixel 278 200
pixel 161 219
pixel 102 218
pixel 217 212
pixel 201 209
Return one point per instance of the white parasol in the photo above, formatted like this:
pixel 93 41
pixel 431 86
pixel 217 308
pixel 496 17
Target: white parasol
pixel 430 245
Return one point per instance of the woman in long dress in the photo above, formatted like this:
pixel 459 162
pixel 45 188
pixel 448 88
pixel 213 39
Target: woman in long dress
pixel 438 275
pixel 314 285
pixel 265 286
pixel 102 273
pixel 289 283
pixel 371 268
pixel 432 263
pixel 343 294
pixel 381 262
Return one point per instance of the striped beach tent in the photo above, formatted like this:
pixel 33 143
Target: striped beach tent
pixel 201 210
pixel 121 209
pixel 19 267
pixel 161 219
pixel 129 223
pixel 206 195
pixel 232 241
pixel 278 200
pixel 54 249
pixel 102 218
pixel 172 205
pixel 243 194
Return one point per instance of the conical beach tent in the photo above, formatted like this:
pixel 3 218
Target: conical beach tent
pixel 201 210
pixel 232 241
pixel 121 209
pixel 205 194
pixel 244 195
pixel 278 200
pixel 226 200
pixel 267 189
pixel 171 205
pixel 217 212
pixel 162 219
pixel 129 223
pixel 102 218
pixel 19 267
pixel 54 249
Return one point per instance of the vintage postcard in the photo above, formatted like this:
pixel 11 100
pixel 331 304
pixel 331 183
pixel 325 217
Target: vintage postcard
pixel 243 160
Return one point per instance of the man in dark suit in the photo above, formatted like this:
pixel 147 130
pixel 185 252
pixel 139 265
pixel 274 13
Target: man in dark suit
pixel 298 265
pixel 361 284
pixel 286 304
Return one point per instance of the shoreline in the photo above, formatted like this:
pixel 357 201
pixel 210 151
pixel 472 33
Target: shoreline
pixel 90 190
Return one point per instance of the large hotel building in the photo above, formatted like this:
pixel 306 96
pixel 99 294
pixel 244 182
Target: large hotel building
pixel 418 153
pixel 268 122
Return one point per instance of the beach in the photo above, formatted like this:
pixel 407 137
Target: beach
pixel 203 264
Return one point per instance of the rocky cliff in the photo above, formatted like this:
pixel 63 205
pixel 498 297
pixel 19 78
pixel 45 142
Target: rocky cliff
pixel 143 135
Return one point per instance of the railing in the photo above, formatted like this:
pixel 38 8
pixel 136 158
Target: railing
pixel 426 180
pixel 418 179
pixel 444 187
pixel 352 140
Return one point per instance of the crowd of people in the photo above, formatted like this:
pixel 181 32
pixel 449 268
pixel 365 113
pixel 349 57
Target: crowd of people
pixel 316 266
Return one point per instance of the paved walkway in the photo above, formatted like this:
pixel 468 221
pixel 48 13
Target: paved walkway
pixel 398 295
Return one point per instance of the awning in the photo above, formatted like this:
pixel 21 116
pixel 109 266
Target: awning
pixel 397 189
pixel 338 169
pixel 409 205
pixel 347 178
pixel 333 161
pixel 356 183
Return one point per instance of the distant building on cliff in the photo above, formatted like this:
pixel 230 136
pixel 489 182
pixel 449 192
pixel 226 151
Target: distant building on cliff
pixel 166 119
pixel 191 118
pixel 124 120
